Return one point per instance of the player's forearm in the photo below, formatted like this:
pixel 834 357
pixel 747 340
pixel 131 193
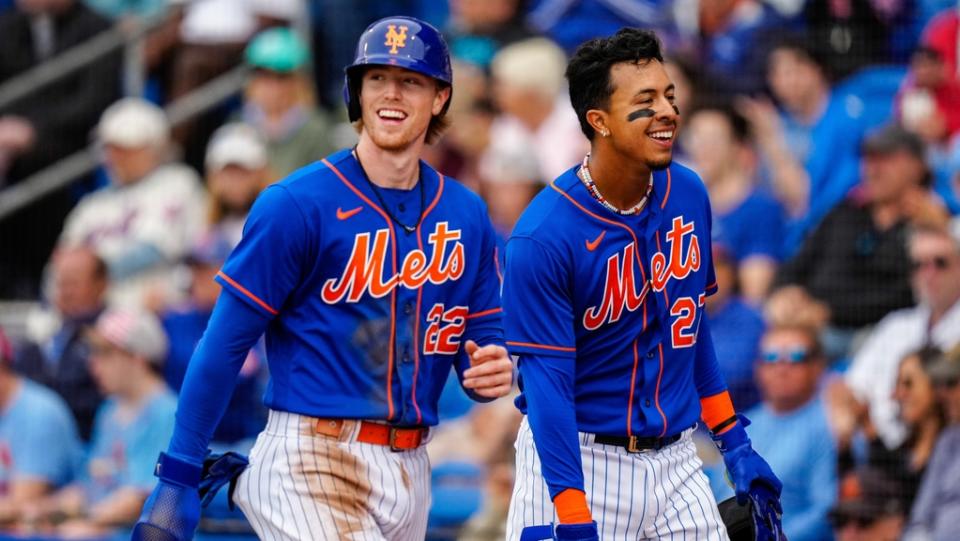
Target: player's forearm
pixel 706 371
pixel 551 412
pixel 211 377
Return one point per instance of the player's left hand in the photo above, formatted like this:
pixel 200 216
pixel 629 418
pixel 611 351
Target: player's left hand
pixel 753 480
pixel 491 371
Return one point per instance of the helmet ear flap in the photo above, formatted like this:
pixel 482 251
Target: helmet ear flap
pixel 351 93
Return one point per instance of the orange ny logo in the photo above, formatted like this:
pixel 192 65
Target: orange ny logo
pixel 396 39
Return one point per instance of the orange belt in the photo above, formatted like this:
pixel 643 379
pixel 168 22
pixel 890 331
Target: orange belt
pixel 397 438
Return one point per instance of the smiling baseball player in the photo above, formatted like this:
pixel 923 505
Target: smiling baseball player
pixel 372 275
pixel 606 275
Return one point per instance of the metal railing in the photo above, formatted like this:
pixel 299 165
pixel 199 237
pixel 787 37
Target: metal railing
pixel 82 162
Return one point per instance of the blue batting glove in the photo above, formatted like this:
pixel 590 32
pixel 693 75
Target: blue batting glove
pixel 752 479
pixel 577 532
pixel 172 511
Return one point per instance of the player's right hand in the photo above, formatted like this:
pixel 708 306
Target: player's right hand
pixel 586 531
pixel 172 511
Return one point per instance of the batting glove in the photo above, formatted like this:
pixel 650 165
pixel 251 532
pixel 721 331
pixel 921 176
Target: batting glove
pixel 586 531
pixel 752 479
pixel 172 511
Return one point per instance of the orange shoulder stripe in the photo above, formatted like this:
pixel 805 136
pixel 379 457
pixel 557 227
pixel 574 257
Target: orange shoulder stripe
pixel 484 313
pixel 542 346
pixel 246 292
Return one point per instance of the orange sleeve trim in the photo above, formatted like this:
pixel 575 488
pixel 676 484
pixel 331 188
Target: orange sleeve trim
pixel 716 409
pixel 246 292
pixel 542 346
pixel 485 313
pixel 571 506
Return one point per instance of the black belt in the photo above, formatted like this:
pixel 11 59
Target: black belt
pixel 637 444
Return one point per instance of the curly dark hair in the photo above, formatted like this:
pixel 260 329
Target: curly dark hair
pixel 588 72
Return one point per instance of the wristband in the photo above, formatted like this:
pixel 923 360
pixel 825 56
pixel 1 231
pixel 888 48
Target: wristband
pixel 178 471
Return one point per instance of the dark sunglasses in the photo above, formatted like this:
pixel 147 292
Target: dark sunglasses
pixel 946 382
pixel 787 355
pixel 938 262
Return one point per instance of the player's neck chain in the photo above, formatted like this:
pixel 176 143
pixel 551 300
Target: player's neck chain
pixel 592 188
pixel 383 204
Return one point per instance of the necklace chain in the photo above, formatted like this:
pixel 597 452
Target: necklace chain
pixel 383 204
pixel 592 188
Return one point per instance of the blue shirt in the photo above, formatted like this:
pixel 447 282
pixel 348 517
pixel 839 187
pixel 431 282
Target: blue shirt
pixel 830 152
pixel 367 316
pixel 245 415
pixel 737 328
pixel 800 449
pixel 38 438
pixel 124 450
pixel 755 227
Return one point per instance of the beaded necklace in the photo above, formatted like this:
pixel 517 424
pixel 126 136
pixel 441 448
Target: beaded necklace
pixel 592 188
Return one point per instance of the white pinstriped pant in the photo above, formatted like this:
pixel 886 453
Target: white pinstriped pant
pixel 306 486
pixel 651 495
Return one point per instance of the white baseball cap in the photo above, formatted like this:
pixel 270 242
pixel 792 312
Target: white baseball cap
pixel 132 123
pixel 236 144
pixel 135 331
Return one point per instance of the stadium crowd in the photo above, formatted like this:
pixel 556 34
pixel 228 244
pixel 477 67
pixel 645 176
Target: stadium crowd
pixel 827 133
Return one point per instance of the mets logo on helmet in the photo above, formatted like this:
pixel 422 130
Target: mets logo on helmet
pixel 396 39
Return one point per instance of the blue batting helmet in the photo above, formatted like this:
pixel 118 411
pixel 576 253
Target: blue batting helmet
pixel 404 42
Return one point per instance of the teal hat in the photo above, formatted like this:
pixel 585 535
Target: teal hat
pixel 277 49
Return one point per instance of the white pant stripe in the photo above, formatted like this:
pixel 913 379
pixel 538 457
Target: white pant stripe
pixel 664 496
pixel 304 486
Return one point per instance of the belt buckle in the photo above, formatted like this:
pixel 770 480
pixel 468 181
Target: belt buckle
pixel 632 445
pixel 393 440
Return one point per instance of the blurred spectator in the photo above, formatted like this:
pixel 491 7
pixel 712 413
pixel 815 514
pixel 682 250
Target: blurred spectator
pixel 184 324
pixel 144 222
pixel 745 220
pixel 60 359
pixel 791 429
pixel 45 125
pixel 811 147
pixel 875 511
pixel 936 512
pixel 736 327
pixel 537 136
pixel 236 167
pixel 208 40
pixel 479 28
pixel 39 447
pixel 571 22
pixel 280 103
pixel 728 37
pixel 856 259
pixel 855 33
pixel 935 263
pixel 942 34
pixel 132 427
pixel 928 103
pixel 921 414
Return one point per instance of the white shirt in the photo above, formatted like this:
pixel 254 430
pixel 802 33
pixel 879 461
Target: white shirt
pixel 873 374
pixel 164 210
pixel 542 155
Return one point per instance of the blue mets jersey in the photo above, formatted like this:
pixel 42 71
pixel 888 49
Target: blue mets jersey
pixel 368 316
pixel 621 295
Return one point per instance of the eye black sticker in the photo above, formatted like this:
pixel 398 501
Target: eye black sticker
pixel 640 113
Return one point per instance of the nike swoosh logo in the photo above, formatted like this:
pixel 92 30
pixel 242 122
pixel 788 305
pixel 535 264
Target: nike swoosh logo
pixel 592 245
pixel 345 214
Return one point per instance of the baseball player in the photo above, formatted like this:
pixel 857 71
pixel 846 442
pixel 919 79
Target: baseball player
pixel 372 275
pixel 606 275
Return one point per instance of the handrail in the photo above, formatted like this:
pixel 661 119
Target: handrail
pixel 84 161
pixel 73 59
